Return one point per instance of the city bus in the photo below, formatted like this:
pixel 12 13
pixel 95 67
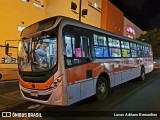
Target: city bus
pixel 62 61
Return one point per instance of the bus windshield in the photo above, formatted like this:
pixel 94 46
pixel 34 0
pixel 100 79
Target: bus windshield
pixel 37 55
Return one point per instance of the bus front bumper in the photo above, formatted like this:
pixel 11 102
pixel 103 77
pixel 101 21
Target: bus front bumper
pixel 50 96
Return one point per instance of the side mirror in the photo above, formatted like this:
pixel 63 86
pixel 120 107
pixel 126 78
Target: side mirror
pixel 7 49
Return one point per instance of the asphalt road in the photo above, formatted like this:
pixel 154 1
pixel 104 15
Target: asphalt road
pixel 132 96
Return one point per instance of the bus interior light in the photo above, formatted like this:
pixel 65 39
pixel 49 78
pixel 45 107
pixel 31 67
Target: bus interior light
pixel 38 5
pixel 25 0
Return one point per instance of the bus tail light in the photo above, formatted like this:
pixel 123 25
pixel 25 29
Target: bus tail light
pixel 57 82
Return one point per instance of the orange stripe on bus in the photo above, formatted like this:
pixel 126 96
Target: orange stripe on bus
pixel 38 86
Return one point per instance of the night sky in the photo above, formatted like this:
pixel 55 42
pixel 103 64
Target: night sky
pixel 144 13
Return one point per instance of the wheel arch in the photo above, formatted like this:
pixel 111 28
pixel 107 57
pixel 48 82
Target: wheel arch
pixel 143 67
pixel 105 75
pixel 142 70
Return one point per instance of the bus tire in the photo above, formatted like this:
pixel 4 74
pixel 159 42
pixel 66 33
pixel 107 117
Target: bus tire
pixel 142 76
pixel 101 88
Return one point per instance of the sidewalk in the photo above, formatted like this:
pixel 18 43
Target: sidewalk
pixel 9 95
pixel 8 74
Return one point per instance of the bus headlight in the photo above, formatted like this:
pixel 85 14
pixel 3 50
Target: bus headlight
pixel 57 82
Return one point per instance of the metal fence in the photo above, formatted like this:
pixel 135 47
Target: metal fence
pixel 8 65
pixel 157 63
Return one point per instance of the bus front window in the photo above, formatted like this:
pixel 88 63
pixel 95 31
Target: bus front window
pixel 37 55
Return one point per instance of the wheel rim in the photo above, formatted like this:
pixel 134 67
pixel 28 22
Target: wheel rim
pixel 102 88
pixel 143 76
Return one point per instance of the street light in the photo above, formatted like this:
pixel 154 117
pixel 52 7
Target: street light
pixel 81 12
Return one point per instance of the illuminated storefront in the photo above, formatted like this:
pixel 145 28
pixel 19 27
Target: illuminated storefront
pixel 131 30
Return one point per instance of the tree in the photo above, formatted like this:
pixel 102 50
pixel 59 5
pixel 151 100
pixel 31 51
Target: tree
pixel 152 37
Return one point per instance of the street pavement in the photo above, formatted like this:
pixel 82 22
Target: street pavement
pixel 10 96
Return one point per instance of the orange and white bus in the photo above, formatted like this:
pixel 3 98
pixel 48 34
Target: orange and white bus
pixel 62 61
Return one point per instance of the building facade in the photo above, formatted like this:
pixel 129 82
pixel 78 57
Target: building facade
pixel 18 14
pixel 63 7
pixel 131 30
pixel 112 18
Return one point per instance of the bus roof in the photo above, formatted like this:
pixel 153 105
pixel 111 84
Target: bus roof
pixel 50 22
pixel 87 26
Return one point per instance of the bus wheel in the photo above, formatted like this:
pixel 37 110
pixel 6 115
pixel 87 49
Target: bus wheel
pixel 142 77
pixel 101 88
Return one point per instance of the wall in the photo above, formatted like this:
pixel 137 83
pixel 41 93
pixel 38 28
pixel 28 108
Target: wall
pixel 94 15
pixel 104 13
pixel 138 31
pixel 63 7
pixel 112 18
pixel 13 12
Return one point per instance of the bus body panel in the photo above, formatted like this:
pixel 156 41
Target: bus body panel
pixel 81 90
pixel 76 90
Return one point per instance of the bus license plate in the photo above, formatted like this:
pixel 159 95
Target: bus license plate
pixel 34 94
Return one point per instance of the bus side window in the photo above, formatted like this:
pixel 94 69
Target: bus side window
pixel 77 49
pixel 125 49
pixel 133 50
pixel 68 46
pixel 81 47
pixel 146 51
pixel 150 54
pixel 139 48
pixel 106 52
pixel 100 46
pixel 114 47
